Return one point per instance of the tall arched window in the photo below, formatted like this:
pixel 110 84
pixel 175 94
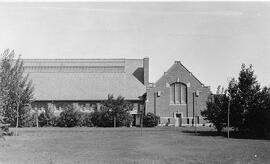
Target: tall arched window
pixel 178 93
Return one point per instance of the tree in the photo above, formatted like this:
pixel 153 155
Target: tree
pixel 249 109
pixel 114 112
pixel 257 119
pixel 16 90
pixel 216 111
pixel 245 94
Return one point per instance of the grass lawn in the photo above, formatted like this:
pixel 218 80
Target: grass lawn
pixel 126 145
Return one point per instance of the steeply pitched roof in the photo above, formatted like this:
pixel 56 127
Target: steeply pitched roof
pixel 85 79
pixel 178 63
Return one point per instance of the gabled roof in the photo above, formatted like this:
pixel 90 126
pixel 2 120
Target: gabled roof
pixel 85 79
pixel 178 63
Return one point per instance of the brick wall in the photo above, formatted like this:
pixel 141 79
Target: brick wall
pixel 177 73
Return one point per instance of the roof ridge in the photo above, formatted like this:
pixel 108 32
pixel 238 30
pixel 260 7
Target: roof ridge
pixel 73 58
pixel 81 58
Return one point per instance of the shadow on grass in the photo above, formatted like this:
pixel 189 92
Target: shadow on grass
pixel 233 134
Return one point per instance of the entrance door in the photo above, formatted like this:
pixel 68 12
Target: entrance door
pixel 178 121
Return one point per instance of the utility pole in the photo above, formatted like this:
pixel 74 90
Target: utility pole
pixel 155 103
pixel 193 106
pixel 195 116
pixel 141 121
pixel 195 94
pixel 228 130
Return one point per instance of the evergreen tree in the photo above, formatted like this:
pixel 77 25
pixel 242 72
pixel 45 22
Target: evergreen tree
pixel 249 107
pixel 244 94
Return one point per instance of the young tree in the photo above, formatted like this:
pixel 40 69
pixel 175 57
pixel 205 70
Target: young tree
pixel 244 95
pixel 16 90
pixel 117 110
pixel 250 107
pixel 216 111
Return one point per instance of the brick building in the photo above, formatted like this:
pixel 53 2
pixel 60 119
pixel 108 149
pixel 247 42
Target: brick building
pixel 84 83
pixel 177 94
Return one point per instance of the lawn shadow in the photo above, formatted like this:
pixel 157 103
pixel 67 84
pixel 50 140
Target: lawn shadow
pixel 233 134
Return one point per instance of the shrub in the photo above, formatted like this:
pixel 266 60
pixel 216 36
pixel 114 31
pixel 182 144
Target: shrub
pixel 125 120
pixel 44 120
pixel 69 117
pixel 113 109
pixel 86 119
pixel 102 119
pixel 4 130
pixel 30 121
pixel 150 120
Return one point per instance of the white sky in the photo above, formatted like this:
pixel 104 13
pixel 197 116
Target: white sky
pixel 212 39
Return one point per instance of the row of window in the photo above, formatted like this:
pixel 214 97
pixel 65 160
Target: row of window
pixel 178 93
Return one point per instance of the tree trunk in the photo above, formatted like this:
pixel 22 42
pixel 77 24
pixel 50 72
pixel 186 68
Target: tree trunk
pixel 36 117
pixel 17 118
pixel 114 121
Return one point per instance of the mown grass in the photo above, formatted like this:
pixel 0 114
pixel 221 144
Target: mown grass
pixel 126 145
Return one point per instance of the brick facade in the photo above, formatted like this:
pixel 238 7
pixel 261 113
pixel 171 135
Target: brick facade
pixel 158 96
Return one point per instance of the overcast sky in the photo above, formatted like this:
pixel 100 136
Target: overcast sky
pixel 211 39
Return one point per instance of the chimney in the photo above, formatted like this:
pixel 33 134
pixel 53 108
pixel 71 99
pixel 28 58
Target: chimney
pixel 146 71
pixel 177 62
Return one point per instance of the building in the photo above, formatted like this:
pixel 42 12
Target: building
pixel 84 83
pixel 178 97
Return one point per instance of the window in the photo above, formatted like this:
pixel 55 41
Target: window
pixel 183 94
pixel 178 93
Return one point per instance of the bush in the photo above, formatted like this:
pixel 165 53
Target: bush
pixel 86 119
pixel 30 121
pixel 105 119
pixel 102 119
pixel 45 121
pixel 69 117
pixel 113 109
pixel 150 120
pixel 4 130
pixel 124 120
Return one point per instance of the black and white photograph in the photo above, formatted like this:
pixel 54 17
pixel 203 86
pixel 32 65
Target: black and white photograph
pixel 134 82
